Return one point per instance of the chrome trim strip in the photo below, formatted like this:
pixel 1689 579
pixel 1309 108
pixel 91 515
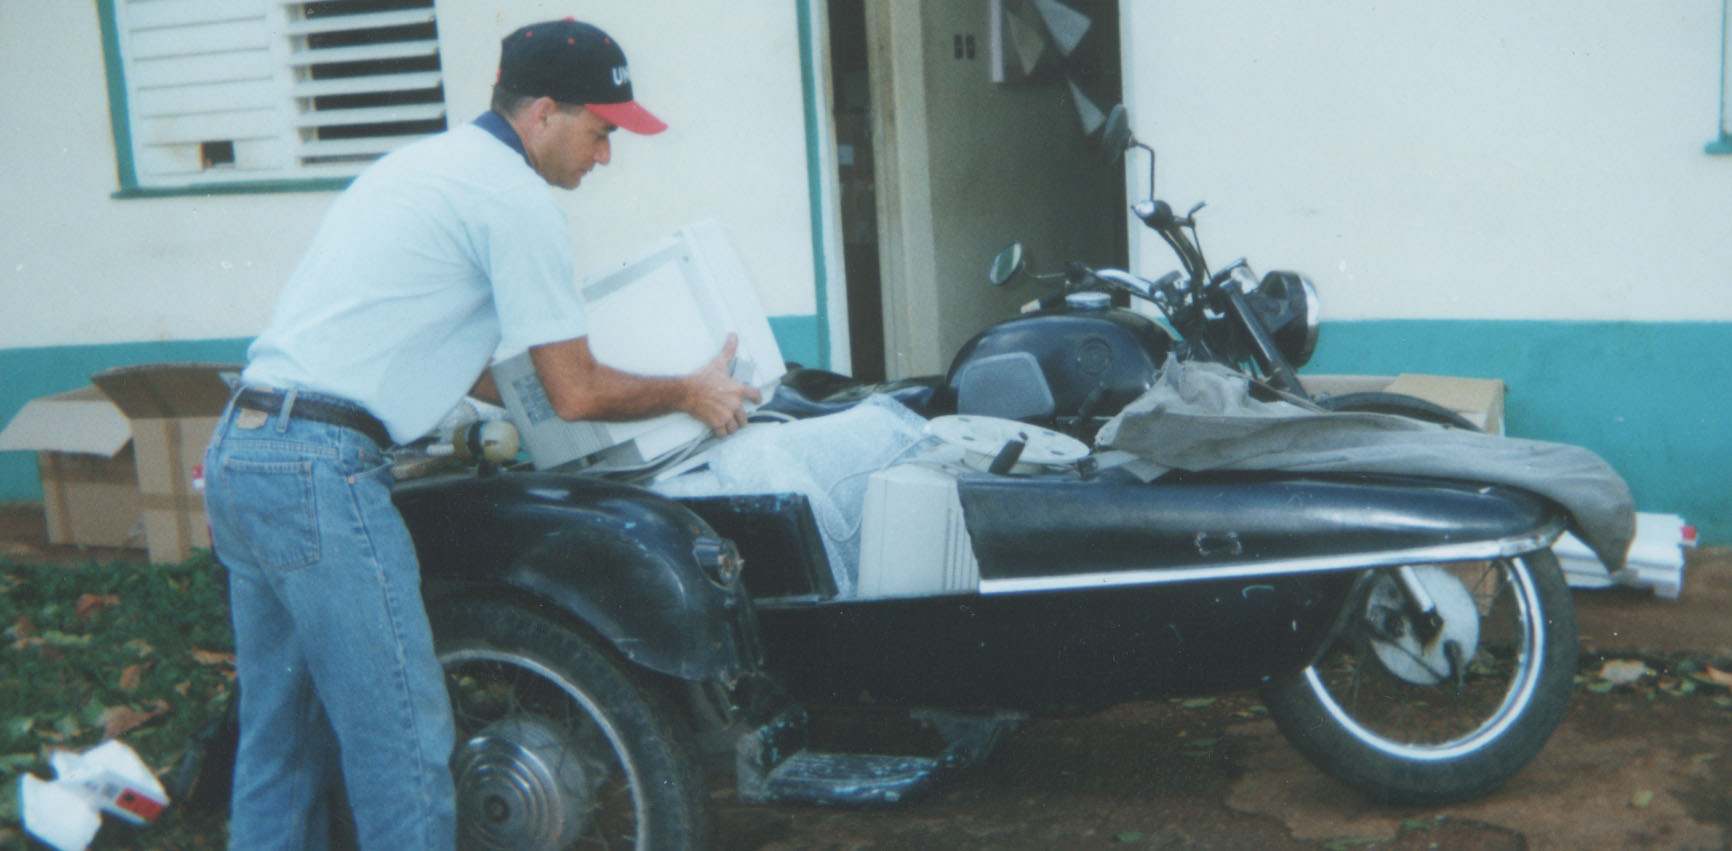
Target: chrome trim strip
pixel 1501 548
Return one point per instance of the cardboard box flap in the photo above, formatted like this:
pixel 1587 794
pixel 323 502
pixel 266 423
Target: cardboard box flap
pixel 83 421
pixel 162 390
pixel 1456 394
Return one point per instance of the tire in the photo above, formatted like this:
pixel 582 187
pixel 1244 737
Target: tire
pixel 558 746
pixel 1398 404
pixel 1360 714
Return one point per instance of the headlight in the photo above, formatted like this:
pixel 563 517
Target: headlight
pixel 1287 304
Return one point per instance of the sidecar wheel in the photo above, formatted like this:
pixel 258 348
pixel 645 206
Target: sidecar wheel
pixel 558 746
pixel 1397 404
pixel 1402 723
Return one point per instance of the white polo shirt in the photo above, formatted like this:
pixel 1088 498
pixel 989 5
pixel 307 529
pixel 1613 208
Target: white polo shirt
pixel 435 256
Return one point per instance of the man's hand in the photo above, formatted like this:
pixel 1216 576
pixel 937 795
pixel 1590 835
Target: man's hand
pixel 714 397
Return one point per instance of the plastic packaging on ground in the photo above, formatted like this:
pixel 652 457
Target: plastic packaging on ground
pixel 66 812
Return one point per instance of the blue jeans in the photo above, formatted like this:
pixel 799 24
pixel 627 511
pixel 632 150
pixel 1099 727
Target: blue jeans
pixel 333 649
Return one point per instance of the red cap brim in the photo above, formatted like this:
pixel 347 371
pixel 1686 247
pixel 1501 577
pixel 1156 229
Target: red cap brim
pixel 628 116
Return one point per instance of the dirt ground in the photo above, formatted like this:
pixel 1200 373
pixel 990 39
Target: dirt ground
pixel 1633 767
pixel 1623 772
pixel 1637 766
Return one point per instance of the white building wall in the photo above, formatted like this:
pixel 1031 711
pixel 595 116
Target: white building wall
pixel 80 267
pixel 1470 160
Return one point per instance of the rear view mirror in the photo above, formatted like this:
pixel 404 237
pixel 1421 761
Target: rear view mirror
pixel 1008 264
pixel 1116 137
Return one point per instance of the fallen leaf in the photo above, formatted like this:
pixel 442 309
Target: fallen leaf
pixel 1715 675
pixel 1641 798
pixel 23 627
pixel 117 721
pixel 1197 702
pixel 1623 671
pixel 90 604
pixel 211 657
pixel 131 677
pixel 65 727
pixel 140 646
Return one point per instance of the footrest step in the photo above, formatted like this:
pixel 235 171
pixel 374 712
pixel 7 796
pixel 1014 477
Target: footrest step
pixel 844 778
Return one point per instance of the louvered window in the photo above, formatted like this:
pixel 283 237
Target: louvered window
pixel 231 94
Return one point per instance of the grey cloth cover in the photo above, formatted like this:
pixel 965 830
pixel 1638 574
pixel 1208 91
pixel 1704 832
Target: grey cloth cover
pixel 1203 416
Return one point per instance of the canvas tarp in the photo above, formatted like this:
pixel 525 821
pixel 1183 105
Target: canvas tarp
pixel 1202 416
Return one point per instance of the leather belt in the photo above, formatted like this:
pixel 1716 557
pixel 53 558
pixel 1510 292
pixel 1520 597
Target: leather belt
pixel 319 409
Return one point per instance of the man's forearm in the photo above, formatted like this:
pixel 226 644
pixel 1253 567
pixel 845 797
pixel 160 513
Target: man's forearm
pixel 580 388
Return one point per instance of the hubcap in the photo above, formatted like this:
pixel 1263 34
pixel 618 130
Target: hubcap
pixel 1399 647
pixel 523 783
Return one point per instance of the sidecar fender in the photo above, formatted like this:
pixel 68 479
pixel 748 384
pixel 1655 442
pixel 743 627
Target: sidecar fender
pixel 645 574
pixel 1225 525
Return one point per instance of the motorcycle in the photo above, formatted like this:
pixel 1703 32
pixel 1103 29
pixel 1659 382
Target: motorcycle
pixel 1412 636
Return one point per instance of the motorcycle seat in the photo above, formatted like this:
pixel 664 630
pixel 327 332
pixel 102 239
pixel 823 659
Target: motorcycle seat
pixel 805 393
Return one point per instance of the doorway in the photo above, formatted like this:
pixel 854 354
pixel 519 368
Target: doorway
pixel 961 127
pixel 851 113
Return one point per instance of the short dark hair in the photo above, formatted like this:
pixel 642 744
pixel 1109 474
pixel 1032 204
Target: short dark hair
pixel 507 101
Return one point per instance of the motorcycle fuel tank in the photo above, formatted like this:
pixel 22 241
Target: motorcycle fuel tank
pixel 1057 365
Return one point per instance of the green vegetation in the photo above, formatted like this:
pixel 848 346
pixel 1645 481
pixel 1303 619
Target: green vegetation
pixel 135 652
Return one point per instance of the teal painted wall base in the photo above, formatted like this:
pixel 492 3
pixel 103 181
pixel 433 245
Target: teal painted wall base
pixel 1649 397
pixel 30 373
pixel 799 339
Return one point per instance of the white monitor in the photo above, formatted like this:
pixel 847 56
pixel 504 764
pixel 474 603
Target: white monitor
pixel 668 312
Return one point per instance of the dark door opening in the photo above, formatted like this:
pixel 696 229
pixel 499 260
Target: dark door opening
pixel 980 154
pixel 852 115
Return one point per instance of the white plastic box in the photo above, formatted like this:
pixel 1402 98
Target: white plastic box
pixel 668 312
pixel 913 537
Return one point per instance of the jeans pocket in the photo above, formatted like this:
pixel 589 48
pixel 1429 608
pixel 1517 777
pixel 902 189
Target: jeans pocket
pixel 271 506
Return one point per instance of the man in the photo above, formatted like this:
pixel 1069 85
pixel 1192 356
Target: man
pixel 436 256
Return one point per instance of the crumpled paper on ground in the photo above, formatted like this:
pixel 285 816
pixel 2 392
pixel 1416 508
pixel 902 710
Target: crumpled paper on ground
pixel 66 812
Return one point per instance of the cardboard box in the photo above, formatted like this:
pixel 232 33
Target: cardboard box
pixel 1478 400
pixel 83 446
pixel 668 312
pixel 172 409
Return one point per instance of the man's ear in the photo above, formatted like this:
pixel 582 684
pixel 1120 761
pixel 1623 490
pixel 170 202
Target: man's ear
pixel 534 115
pixel 544 108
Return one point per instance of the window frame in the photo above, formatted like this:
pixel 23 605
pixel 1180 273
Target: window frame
pixel 131 184
pixel 1723 145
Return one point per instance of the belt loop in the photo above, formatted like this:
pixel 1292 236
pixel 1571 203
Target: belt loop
pixel 223 423
pixel 288 407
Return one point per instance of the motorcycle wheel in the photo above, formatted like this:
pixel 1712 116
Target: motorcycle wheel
pixel 1400 722
pixel 558 745
pixel 1398 404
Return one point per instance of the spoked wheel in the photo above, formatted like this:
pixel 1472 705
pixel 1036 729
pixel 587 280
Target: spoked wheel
pixel 1412 712
pixel 557 747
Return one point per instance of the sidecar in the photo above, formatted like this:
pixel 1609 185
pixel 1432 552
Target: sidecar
pixel 595 632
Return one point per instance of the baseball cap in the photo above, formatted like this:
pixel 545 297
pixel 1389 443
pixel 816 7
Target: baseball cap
pixel 576 63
